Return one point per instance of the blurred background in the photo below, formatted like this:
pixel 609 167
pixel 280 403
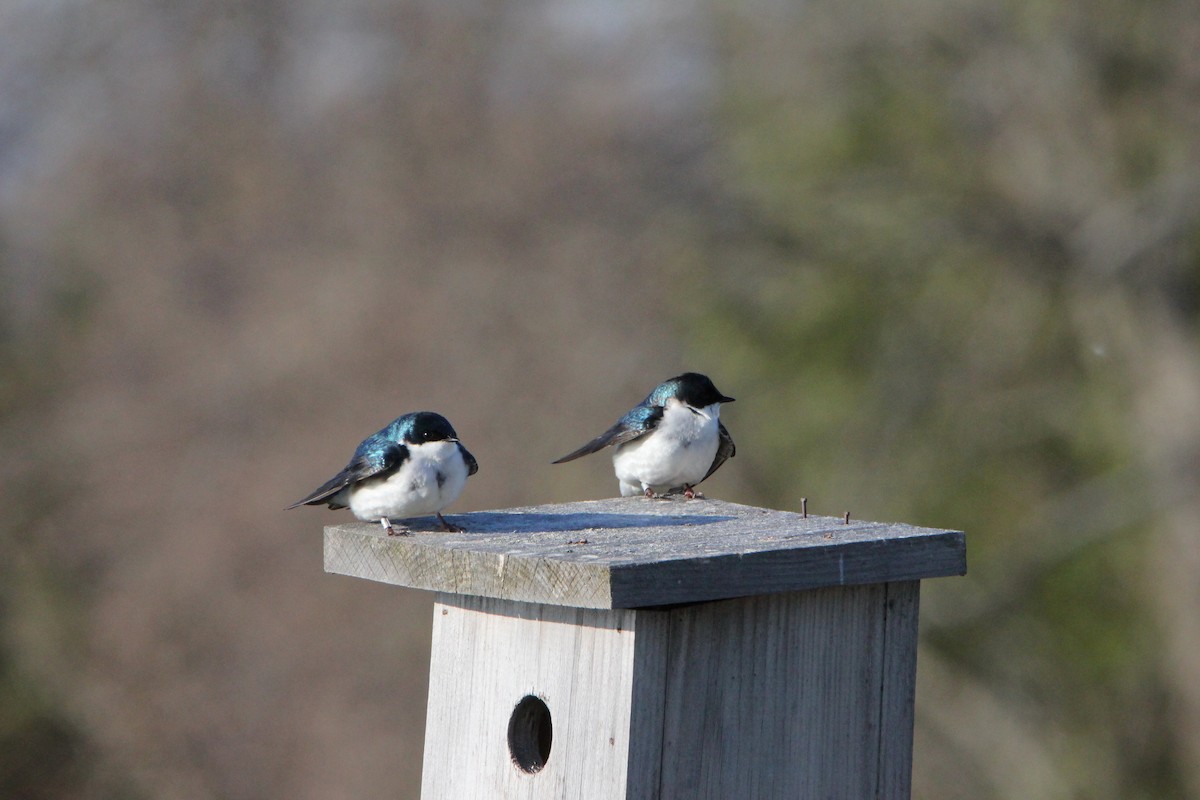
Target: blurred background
pixel 945 254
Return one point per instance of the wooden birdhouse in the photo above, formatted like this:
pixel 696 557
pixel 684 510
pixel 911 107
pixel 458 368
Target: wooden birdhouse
pixel 664 649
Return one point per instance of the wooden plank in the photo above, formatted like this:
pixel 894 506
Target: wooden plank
pixel 634 552
pixel 780 697
pixel 488 654
pixel 898 686
pixel 647 704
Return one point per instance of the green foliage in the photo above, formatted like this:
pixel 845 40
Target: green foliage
pixel 44 752
pixel 40 751
pixel 905 327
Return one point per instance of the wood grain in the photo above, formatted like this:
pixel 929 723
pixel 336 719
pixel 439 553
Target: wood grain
pixel 488 654
pixel 787 696
pixel 635 552
pixel 795 695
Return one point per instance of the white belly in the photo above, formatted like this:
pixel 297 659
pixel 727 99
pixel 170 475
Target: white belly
pixel 431 478
pixel 678 452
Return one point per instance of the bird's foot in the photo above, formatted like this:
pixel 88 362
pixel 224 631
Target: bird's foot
pixel 448 526
pixel 691 494
pixel 653 495
pixel 389 530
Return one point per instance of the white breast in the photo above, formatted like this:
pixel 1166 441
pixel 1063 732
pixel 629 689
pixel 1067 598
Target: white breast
pixel 431 478
pixel 678 452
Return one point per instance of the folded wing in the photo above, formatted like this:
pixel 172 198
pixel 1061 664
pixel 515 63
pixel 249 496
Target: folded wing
pixel 472 464
pixel 637 423
pixel 371 460
pixel 725 450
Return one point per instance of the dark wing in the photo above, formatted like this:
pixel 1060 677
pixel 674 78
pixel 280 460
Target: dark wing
pixel 725 450
pixel 637 423
pixel 368 462
pixel 472 464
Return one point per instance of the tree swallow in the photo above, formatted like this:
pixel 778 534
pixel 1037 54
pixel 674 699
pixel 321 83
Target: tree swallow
pixel 669 442
pixel 413 467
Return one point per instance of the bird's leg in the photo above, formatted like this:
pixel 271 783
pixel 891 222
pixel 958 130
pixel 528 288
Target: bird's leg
pixel 690 493
pixel 447 526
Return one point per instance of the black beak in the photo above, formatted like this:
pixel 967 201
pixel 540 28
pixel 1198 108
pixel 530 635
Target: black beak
pixel 725 399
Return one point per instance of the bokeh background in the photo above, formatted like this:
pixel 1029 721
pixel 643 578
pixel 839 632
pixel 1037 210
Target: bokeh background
pixel 945 254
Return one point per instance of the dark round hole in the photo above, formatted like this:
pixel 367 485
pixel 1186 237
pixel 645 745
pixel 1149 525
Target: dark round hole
pixel 530 734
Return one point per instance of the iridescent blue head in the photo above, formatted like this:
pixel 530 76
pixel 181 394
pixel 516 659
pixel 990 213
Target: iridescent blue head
pixel 420 427
pixel 691 387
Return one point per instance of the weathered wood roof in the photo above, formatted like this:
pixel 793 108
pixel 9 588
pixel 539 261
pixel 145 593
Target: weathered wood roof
pixel 635 552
